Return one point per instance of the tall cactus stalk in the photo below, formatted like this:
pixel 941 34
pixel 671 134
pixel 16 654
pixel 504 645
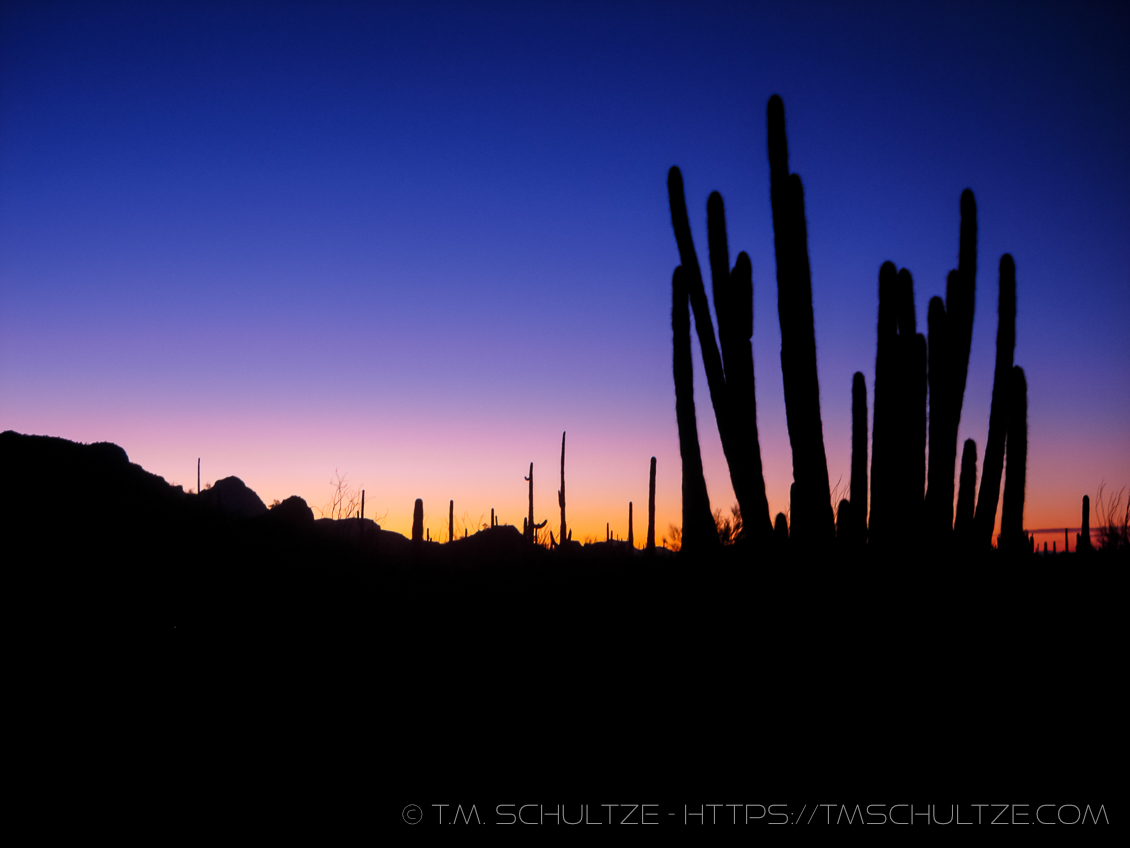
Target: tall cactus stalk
pixel 812 521
pixel 858 493
pixel 730 382
pixel 651 509
pixel 938 517
pixel 733 304
pixel 989 495
pixel 631 536
pixel 698 523
pixel 966 492
pixel 451 521
pixel 885 421
pixel 530 520
pixel 951 334
pixel 561 491
pixel 960 301
pixel 911 467
pixel 1012 510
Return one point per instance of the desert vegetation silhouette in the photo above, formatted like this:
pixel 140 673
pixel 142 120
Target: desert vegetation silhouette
pixel 899 501
pixel 919 386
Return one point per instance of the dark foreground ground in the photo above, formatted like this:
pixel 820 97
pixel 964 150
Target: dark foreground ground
pixel 194 663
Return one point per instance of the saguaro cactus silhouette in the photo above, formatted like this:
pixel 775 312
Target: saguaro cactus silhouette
pixel 698 524
pixel 812 521
pixel 1013 537
pixel 989 495
pixel 631 535
pixel 729 374
pixel 451 521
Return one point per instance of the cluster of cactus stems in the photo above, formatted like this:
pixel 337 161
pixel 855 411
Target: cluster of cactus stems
pixel 906 498
pixel 729 372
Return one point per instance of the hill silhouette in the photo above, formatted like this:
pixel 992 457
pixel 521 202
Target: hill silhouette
pixel 677 673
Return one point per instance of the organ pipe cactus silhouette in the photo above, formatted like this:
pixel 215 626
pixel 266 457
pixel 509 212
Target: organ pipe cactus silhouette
pixel 698 523
pixel 812 521
pixel 912 442
pixel 939 488
pixel 858 491
pixel 966 492
pixel 884 425
pixel 898 436
pixel 651 509
pixel 985 516
pixel 951 333
pixel 1013 537
pixel 529 528
pixel 561 491
pixel 729 373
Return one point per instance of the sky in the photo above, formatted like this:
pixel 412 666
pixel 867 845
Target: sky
pixel 411 244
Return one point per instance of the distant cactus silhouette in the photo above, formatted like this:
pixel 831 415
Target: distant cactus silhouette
pixel 418 521
pixel 529 526
pixel 631 537
pixel 989 495
pixel 963 518
pixel 732 384
pixel 698 523
pixel 561 491
pixel 858 490
pixel 450 521
pixel 1012 510
pixel 651 509
pixel 812 521
pixel 1083 537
